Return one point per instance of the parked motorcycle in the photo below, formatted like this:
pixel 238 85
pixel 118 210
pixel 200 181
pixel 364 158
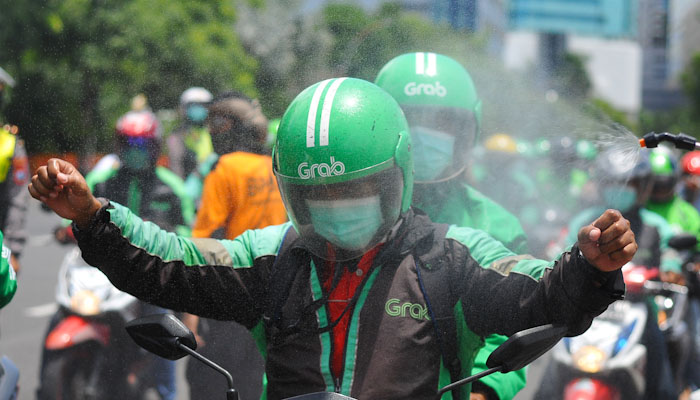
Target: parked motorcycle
pixel 168 337
pixel 87 354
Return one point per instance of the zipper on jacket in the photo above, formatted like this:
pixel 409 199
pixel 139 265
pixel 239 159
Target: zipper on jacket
pixel 337 385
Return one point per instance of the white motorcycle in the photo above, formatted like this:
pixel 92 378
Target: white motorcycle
pixel 86 352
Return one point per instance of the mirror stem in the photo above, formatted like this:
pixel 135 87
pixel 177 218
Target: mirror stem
pixel 467 380
pixel 231 393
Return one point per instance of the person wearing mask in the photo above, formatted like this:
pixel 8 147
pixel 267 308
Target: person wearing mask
pixel 14 176
pixel 152 192
pixel 443 111
pixel 683 217
pixel 239 194
pixel 690 190
pixel 664 199
pixel 324 293
pixel 189 144
pixel 625 184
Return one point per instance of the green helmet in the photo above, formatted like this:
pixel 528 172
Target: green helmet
pixel 665 174
pixel 344 167
pixel 443 110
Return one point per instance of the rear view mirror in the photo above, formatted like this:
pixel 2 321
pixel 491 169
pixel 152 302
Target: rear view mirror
pixel 684 241
pixel 525 347
pixel 161 334
pixel 518 351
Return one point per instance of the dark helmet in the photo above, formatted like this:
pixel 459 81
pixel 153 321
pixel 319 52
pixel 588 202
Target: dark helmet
pixel 236 122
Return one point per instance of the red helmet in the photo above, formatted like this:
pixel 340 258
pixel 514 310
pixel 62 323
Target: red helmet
pixel 691 162
pixel 143 124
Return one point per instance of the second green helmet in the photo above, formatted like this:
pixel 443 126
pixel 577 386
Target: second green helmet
pixel 443 110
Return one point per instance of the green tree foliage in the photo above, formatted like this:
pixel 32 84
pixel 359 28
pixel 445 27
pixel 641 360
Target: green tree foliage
pixel 78 62
pixel 295 50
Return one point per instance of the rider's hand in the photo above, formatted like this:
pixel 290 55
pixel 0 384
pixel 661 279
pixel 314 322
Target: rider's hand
pixel 608 243
pixel 673 277
pixel 477 396
pixel 60 186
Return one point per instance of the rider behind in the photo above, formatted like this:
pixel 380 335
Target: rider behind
pixel 443 112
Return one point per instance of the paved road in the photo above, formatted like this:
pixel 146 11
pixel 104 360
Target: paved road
pixel 24 320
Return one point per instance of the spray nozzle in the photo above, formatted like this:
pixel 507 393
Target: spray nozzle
pixel 680 141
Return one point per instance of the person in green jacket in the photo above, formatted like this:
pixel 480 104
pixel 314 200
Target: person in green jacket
pixel 443 110
pixel 350 295
pixel 664 199
pixel 8 278
pixel 683 217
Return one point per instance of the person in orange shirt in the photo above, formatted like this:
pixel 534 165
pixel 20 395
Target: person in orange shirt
pixel 239 193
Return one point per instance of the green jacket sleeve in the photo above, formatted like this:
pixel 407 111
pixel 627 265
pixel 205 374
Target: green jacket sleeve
pixel 671 261
pixel 220 279
pixel 8 279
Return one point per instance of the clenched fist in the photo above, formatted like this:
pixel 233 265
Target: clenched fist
pixel 608 242
pixel 60 186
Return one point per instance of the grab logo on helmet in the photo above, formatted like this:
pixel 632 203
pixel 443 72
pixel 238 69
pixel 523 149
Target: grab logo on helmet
pixel 416 89
pixel 323 170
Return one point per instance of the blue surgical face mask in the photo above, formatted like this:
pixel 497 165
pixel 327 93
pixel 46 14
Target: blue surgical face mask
pixel 197 113
pixel 136 159
pixel 432 152
pixel 349 224
pixel 619 198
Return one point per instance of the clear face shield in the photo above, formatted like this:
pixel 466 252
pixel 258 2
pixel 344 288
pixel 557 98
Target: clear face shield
pixel 341 221
pixel 441 138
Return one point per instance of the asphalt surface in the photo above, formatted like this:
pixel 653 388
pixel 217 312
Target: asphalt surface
pixel 23 322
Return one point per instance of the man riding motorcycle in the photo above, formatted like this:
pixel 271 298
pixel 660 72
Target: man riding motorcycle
pixel 625 184
pixel 336 296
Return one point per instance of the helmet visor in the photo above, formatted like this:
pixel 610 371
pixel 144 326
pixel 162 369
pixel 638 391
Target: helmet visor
pixel 442 137
pixel 341 221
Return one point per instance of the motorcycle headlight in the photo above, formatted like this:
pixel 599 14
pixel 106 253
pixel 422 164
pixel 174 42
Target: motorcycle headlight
pixel 85 302
pixel 589 359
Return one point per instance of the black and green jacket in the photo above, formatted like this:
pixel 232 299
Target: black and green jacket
pixel 158 195
pixel 391 349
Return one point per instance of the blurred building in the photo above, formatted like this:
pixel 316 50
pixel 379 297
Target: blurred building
pixel 635 49
pixel 658 88
pixel 489 17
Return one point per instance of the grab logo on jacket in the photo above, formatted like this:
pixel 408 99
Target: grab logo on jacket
pixel 323 170
pixel 417 89
pixel 397 308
